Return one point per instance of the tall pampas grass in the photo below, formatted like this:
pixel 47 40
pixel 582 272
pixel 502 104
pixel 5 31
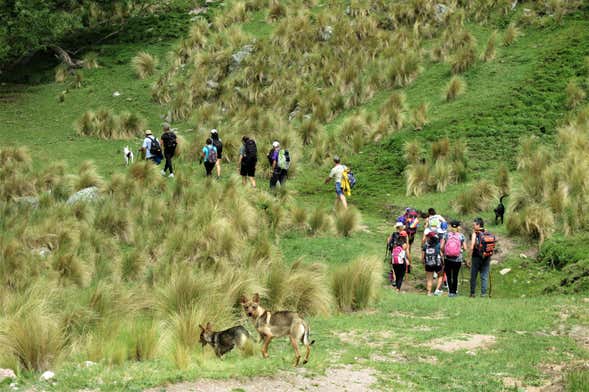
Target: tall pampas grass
pixel 490 49
pixel 575 95
pixel 419 116
pixel 355 286
pixel 454 88
pixel 417 179
pixel 510 35
pixel 347 221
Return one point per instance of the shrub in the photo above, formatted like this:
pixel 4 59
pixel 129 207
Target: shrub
pixel 142 340
pixel 441 175
pixel 510 35
pixel 417 177
pixel 90 60
pixel 276 10
pixel 440 148
pixel 394 109
pixel 575 95
pixel 355 285
pixel 404 68
pixel 413 151
pixel 475 199
pixel 455 88
pixel 490 50
pixel 347 221
pixel 61 73
pixel 144 65
pixel 318 221
pixel 463 60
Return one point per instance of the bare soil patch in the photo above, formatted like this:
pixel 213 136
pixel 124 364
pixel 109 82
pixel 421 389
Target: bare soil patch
pixel 344 379
pixel 370 339
pixel 467 342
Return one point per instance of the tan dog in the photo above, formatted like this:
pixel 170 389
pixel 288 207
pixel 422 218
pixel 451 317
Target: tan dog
pixel 277 324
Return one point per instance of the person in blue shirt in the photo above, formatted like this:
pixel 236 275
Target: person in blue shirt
pixel 209 156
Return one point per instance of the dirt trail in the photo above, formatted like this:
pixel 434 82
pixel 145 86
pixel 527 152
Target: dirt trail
pixel 340 379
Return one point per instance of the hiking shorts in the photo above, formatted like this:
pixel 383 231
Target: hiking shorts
pixel 248 167
pixel 338 189
pixel 433 268
pixel 411 236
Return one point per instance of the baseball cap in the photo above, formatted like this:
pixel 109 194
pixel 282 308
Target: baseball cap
pixel 455 223
pixel 275 144
pixel 166 125
pixel 429 232
pixel 214 130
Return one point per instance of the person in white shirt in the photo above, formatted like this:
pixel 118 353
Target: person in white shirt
pixel 337 172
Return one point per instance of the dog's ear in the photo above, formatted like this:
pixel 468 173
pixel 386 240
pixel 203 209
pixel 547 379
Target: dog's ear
pixel 209 326
pixel 201 327
pixel 256 298
pixel 243 299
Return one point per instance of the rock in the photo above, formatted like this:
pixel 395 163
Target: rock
pixel 43 251
pixel 6 373
pixel 494 262
pixel 441 11
pixel 212 84
pixel 197 11
pixel 48 375
pixel 513 4
pixel 27 201
pixel 505 271
pixel 292 115
pixel 116 94
pixel 523 256
pixel 85 195
pixel 325 33
pixel 240 55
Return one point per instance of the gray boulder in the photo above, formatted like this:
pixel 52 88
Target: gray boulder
pixel 240 55
pixel 89 194
pixel 325 33
pixel 30 201
pixel 441 11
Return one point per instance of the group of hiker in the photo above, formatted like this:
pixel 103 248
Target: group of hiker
pixel 444 249
pixel 211 156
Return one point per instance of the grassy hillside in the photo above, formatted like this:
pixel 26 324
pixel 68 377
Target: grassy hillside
pixel 124 281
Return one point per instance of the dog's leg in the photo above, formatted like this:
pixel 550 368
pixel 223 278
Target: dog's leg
pixel 295 346
pixel 267 340
pixel 308 347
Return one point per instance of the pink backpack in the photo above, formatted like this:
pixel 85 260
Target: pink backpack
pixel 453 245
pixel 397 255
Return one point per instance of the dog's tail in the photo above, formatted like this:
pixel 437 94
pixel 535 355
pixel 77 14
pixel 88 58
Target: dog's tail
pixel 306 338
pixel 501 198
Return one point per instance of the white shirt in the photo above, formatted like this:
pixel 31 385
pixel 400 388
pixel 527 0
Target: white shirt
pixel 337 172
pixel 147 146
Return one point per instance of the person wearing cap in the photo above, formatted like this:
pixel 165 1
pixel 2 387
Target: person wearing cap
pixel 170 143
pixel 279 175
pixel 146 148
pixel 453 244
pixel 432 242
pixel 219 146
pixel 337 172
pixel 402 265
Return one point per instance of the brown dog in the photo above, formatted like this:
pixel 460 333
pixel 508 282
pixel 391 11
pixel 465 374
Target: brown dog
pixel 274 325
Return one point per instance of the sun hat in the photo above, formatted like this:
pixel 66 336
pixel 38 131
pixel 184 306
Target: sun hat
pixel 275 144
pixel 399 224
pixel 166 125
pixel 213 131
pixel 148 132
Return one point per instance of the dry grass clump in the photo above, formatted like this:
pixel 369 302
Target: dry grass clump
pixel 355 286
pixel 419 116
pixel 490 49
pixel 510 35
pixel 476 198
pixel 347 221
pixel 90 60
pixel 575 95
pixel 455 88
pixel 502 179
pixel 61 73
pixel 445 165
pixel 104 124
pixel 463 59
pixel 144 64
pixel 276 10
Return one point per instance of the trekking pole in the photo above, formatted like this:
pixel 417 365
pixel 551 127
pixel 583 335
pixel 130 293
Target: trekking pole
pixel 490 282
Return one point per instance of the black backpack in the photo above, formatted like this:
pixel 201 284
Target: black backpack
pixel 396 240
pixel 251 150
pixel 217 143
pixel 432 254
pixel 169 140
pixel 155 149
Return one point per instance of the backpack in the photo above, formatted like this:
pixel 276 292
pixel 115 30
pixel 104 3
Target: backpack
pixel 485 243
pixel 453 245
pixel 398 255
pixel 396 240
pixel 217 143
pixel 169 140
pixel 212 156
pixel 432 255
pixel 251 150
pixel 155 149
pixel 411 224
pixel 350 176
pixel 284 159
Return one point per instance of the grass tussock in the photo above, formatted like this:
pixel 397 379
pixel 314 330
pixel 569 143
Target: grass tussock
pixel 144 65
pixel 355 285
pixel 574 95
pixel 105 124
pixel 476 198
pixel 347 221
pixel 491 48
pixel 420 117
pixel 455 88
pixel 511 34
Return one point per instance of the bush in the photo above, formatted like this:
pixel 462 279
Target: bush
pixel 490 50
pixel 575 95
pixel 463 60
pixel 347 221
pixel 417 178
pixel 144 65
pixel 355 286
pixel 420 116
pixel 510 35
pixel 475 199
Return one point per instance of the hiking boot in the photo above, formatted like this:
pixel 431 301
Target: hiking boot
pixel 437 293
pixel 451 295
pixel 472 296
pixel 171 175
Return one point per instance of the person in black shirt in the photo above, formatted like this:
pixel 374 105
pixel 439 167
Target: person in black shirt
pixel 169 141
pixel 219 146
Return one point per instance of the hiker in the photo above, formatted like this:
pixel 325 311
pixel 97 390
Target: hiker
pixel 400 257
pixel 151 148
pixel 337 172
pixel 453 244
pixel 248 158
pixel 482 246
pixel 219 146
pixel 432 260
pixel 435 222
pixel 411 222
pixel 169 142
pixel 279 162
pixel 209 155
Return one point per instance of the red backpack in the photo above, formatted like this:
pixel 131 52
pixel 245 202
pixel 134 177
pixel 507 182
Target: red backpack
pixel 486 243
